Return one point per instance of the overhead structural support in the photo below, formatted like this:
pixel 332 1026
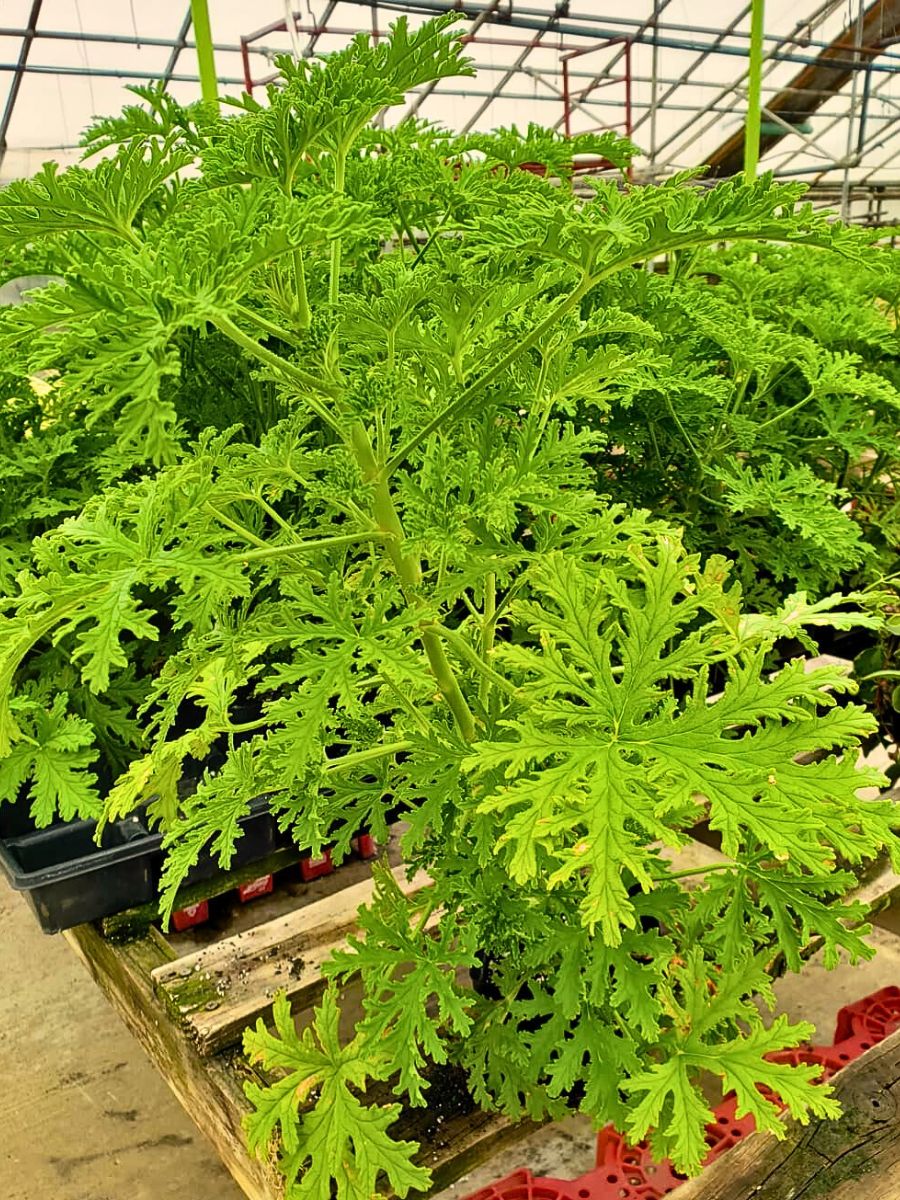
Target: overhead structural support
pixel 754 89
pixel 206 62
pixel 821 79
pixel 16 82
pixel 180 43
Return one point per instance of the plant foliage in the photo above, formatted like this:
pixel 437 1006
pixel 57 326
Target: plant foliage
pixel 402 588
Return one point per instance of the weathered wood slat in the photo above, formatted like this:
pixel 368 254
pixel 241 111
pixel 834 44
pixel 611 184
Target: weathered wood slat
pixel 854 1158
pixel 218 991
pixel 209 1089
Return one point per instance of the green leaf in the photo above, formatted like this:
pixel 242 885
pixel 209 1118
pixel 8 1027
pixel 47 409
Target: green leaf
pixel 53 758
pixel 413 1003
pixel 603 757
pixel 672 1103
pixel 333 1143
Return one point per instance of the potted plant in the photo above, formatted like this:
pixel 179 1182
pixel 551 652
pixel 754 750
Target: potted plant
pixel 436 613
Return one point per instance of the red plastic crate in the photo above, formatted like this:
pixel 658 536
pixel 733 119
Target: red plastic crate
pixel 625 1172
pixel 194 914
pixel 314 868
pixel 871 1019
pixel 256 888
pixel 522 1185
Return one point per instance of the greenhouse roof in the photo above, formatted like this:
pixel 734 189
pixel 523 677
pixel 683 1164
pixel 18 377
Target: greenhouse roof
pixel 670 71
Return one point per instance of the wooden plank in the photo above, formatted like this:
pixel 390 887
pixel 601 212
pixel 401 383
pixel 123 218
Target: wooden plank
pixel 815 83
pixel 218 991
pixel 856 1157
pixel 209 1089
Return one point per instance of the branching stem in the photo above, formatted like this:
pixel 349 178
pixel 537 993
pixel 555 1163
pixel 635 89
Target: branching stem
pixel 409 571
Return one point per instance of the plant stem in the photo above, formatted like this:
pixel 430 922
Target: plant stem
pixel 248 726
pixel 304 317
pixel 462 647
pixel 409 571
pixel 236 527
pixel 488 629
pixel 729 866
pixel 348 761
pixel 269 327
pixel 787 412
pixel 286 369
pixel 407 566
pixel 475 388
pixel 272 512
pixel 343 539
pixel 209 86
pixel 447 681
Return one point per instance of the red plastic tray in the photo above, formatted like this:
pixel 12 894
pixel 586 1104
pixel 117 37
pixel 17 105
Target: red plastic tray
pixel 625 1172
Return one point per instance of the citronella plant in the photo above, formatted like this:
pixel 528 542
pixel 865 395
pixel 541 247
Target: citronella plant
pixel 408 597
pixel 769 431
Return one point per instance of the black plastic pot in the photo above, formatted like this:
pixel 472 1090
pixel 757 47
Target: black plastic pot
pixel 16 820
pixel 68 879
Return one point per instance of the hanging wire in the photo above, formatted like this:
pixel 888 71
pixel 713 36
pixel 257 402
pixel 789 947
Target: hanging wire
pixel 134 26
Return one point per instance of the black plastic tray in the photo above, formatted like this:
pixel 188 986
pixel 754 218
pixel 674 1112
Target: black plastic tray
pixel 259 840
pixel 68 879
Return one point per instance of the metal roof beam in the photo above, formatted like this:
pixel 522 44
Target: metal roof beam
pixel 828 72
pixel 180 44
pixel 19 71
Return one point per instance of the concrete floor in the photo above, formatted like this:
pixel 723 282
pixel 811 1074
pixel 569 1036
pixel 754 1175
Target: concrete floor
pixel 83 1115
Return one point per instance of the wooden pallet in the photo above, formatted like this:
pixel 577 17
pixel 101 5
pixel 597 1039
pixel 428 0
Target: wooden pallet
pixel 856 1157
pixel 187 998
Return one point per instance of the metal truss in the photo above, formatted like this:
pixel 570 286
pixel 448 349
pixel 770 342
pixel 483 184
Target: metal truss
pixel 585 70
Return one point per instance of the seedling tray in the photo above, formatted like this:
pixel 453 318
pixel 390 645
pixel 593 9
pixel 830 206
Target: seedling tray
pixel 187 997
pixel 68 879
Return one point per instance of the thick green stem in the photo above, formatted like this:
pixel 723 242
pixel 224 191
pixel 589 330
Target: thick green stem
pixel 409 571
pixel 754 89
pixel 209 87
pixel 407 566
pixel 447 682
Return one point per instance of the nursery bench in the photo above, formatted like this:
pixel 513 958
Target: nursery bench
pixel 187 997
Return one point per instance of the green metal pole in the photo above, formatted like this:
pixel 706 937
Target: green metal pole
pixel 209 87
pixel 754 89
